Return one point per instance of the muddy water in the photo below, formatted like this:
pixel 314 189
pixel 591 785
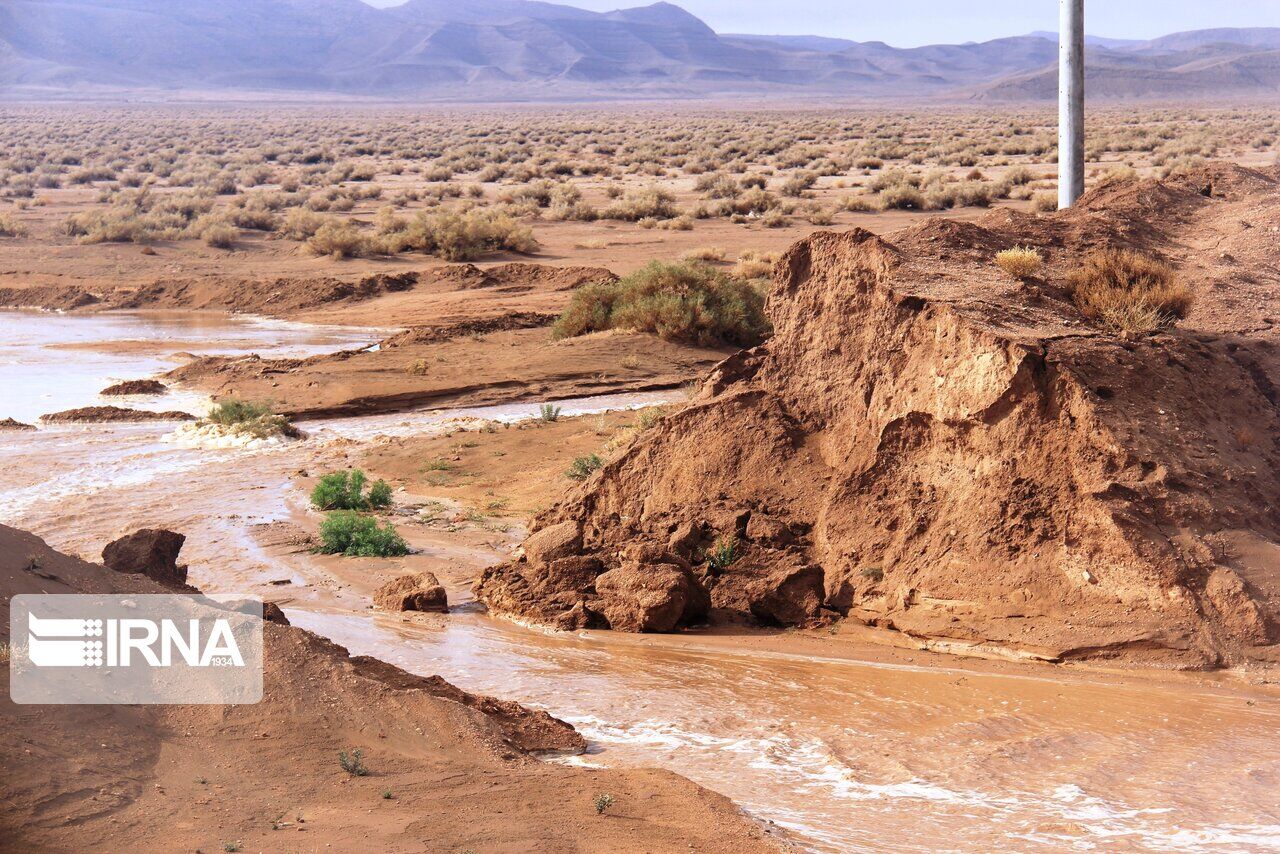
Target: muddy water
pixel 852 751
pixel 50 362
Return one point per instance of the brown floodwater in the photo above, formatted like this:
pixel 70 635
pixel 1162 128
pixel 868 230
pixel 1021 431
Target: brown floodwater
pixel 849 749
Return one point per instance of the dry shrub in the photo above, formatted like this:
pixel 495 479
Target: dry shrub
pixel 10 227
pixel 1129 292
pixel 687 301
pixel 464 236
pixel 755 265
pixel 299 224
pixel 1021 262
pixel 903 197
pixel 219 234
pixel 1045 202
pixel 339 238
pixel 648 203
pixel 862 203
pixel 705 253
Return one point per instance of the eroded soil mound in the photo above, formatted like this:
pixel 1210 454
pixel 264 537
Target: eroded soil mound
pixel 266 776
pixel 135 387
pixel 448 293
pixel 930 445
pixel 111 414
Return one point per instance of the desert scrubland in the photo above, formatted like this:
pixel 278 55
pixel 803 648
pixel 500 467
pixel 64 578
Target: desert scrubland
pixel 712 435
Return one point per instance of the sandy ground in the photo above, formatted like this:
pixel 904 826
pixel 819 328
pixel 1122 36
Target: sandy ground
pixel 446 773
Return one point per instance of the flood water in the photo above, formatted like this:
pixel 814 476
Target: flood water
pixel 849 753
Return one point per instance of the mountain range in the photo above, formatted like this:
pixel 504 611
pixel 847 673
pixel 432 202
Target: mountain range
pixel 530 50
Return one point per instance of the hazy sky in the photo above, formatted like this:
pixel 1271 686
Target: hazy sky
pixel 906 23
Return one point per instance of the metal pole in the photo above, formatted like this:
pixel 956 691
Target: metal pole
pixel 1071 103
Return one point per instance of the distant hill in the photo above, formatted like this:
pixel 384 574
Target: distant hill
pixel 522 49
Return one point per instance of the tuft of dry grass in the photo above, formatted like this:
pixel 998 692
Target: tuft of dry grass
pixel 1021 262
pixel 1044 202
pixel 755 265
pixel 10 227
pixel 1126 291
pixel 705 253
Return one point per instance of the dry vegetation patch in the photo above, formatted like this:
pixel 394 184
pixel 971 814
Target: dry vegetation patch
pixel 686 301
pixel 1127 291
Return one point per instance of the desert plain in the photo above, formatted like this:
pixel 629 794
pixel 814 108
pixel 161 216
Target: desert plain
pixel 794 477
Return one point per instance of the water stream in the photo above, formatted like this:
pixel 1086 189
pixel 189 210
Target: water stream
pixel 850 752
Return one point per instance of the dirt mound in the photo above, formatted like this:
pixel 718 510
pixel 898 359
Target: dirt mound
pixel 112 414
pixel 11 424
pixel 434 295
pixel 280 296
pixel 461 329
pixel 266 776
pixel 518 277
pixel 929 445
pixel 135 387
pixel 51 297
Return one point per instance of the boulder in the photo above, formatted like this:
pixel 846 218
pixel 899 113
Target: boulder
pixel 552 542
pixel 637 597
pixel 787 597
pixel 417 592
pixel 152 552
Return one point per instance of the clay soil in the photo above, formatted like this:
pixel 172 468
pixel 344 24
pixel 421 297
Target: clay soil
pixel 501 470
pixel 457 768
pixel 930 445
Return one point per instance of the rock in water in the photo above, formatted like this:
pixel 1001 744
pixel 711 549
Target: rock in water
pixel 152 552
pixel 418 592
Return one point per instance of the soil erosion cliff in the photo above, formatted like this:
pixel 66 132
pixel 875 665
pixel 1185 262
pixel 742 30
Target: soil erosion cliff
pixel 930 445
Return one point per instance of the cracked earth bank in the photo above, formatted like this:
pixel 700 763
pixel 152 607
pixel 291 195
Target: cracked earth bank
pixel 929 445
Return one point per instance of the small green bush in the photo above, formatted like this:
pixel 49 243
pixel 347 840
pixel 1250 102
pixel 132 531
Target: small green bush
pixel 724 553
pixel 688 301
pixel 582 467
pixel 548 412
pixel 342 490
pixel 349 533
pixel 255 419
pixel 235 411
pixel 353 762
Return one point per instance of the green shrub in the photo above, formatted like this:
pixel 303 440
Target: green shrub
pixel 235 411
pixel 349 533
pixel 688 301
pixel 343 490
pixel 353 762
pixel 582 467
pixel 549 412
pixel 724 553
pixel 254 419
